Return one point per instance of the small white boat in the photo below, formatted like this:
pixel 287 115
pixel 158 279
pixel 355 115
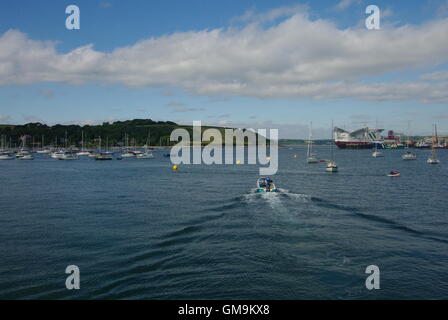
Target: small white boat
pixel 394 173
pixel 6 156
pixel 409 156
pixel 128 155
pixel 311 157
pixel 103 156
pixel 57 154
pixel 43 151
pixel 23 153
pixel 331 167
pixel 83 153
pixel 266 185
pixel 145 155
pixel 69 156
pixel 25 157
pixel 433 159
pixel 377 154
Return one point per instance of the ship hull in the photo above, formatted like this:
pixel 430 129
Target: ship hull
pixel 354 145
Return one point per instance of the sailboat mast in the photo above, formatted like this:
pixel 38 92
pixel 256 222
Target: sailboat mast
pixel 332 140
pixel 435 143
pixel 310 140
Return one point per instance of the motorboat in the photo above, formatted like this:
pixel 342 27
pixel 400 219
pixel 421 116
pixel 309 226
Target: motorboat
pixel 144 155
pixel 83 153
pixel 433 160
pixel 6 156
pixel 128 154
pixel 394 173
pixel 331 166
pixel 24 156
pixel 57 154
pixel 265 184
pixel 43 151
pixel 69 156
pixel 377 154
pixel 103 156
pixel 409 156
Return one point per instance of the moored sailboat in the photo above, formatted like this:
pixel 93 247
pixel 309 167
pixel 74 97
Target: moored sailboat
pixel 310 156
pixel 408 155
pixel 433 159
pixel 331 164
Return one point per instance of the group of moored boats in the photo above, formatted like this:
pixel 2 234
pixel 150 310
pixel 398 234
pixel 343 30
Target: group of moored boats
pixel 311 156
pixel 24 154
pixel 409 155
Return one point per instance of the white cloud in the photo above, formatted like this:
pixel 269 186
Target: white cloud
pixel 295 58
pixel 436 76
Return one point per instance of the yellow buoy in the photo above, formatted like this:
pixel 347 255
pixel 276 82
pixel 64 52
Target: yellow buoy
pixel 174 167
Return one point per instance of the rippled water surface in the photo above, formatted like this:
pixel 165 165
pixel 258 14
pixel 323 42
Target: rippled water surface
pixel 137 230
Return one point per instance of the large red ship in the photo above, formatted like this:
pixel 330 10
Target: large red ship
pixel 364 138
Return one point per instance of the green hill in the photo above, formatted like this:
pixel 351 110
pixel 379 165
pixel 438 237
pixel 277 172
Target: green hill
pixel 136 130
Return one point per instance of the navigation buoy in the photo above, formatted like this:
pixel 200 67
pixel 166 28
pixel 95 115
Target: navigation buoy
pixel 174 167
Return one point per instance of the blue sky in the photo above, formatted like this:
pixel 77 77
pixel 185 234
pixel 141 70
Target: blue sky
pixel 231 63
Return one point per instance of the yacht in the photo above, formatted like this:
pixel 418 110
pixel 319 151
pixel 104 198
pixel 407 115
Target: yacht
pixel 24 155
pixel 57 154
pixel 331 165
pixel 408 155
pixel 6 156
pixel 147 154
pixel 433 159
pixel 83 152
pixel 69 156
pixel 103 156
pixel 310 156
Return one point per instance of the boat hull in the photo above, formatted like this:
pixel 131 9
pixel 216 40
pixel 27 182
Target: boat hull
pixel 354 145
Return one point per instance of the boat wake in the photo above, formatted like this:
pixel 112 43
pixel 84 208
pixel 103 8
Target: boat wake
pixel 254 196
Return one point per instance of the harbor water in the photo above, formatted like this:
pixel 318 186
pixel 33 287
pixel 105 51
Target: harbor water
pixel 138 230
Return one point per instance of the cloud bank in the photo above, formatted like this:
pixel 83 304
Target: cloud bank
pixel 294 58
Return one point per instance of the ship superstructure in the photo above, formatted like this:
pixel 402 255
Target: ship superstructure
pixel 364 138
